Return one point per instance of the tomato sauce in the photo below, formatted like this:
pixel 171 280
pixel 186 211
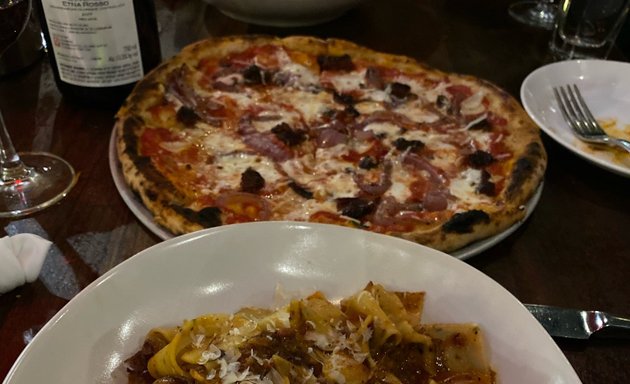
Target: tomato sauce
pixel 151 139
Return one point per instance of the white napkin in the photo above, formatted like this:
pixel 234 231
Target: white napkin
pixel 21 259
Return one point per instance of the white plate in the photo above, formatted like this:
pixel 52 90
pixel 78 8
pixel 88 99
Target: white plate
pixel 223 269
pixel 144 215
pixel 605 86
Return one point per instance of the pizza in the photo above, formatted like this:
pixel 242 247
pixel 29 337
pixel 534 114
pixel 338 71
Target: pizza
pixel 256 128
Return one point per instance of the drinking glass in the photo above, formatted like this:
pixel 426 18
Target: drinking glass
pixel 587 29
pixel 29 181
pixel 540 13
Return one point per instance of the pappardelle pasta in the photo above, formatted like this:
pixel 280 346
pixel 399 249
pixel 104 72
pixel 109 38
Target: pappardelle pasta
pixel 373 336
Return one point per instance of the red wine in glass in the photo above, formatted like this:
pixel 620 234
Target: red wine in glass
pixel 29 181
pixel 13 17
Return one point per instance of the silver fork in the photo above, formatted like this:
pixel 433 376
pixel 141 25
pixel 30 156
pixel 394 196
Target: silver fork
pixel 581 120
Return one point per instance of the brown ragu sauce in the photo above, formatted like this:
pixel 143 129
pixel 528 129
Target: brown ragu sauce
pixel 136 365
pixel 314 341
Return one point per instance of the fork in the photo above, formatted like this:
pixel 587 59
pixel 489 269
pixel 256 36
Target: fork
pixel 581 120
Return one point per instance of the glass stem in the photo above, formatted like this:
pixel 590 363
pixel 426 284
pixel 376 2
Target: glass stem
pixel 11 167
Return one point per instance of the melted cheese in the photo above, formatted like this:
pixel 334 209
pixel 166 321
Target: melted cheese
pixel 231 79
pixel 369 107
pixel 431 95
pixel 228 170
pixel 310 105
pixel 445 155
pixel 341 185
pixel 328 178
pixel 299 75
pixel 174 146
pixel 400 181
pixel 445 160
pixel 348 81
pixel 473 105
pixel 389 129
pixel 244 99
pixel 303 211
pixel 277 116
pixel 399 191
pixel 376 95
pixel 294 168
pixel 414 110
pixel 482 138
pixel 464 188
pixel 221 143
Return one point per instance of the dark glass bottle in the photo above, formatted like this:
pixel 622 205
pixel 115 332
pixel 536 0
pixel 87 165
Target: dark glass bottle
pixel 99 49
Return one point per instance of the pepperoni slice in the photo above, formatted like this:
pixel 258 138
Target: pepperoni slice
pixel 264 55
pixel 459 92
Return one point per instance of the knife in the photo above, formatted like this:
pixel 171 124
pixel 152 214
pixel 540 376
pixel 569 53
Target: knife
pixel 579 324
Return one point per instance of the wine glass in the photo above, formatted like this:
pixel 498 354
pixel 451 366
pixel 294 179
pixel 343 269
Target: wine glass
pixel 29 181
pixel 535 13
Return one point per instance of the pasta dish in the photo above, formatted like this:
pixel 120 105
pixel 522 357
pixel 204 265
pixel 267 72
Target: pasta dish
pixel 373 336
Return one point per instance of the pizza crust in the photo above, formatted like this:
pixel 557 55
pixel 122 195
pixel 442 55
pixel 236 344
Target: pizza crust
pixel 170 207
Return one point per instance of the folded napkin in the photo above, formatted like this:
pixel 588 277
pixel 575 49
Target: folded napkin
pixel 21 259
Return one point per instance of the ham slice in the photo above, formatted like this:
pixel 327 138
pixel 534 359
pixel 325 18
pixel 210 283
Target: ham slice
pixel 264 143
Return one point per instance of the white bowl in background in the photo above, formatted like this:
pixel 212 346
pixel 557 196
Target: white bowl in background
pixel 284 13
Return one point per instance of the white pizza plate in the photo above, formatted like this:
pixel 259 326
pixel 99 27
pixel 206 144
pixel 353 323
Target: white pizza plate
pixel 225 268
pixel 605 86
pixel 144 215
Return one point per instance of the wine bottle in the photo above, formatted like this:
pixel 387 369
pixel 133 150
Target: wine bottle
pixel 99 49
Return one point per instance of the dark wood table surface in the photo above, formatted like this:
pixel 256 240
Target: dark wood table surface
pixel 574 250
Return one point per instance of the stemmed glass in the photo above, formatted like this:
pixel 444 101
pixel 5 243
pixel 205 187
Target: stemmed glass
pixel 540 13
pixel 29 181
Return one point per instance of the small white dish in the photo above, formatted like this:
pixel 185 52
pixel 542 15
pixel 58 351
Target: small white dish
pixel 284 13
pixel 605 86
pixel 144 215
pixel 225 268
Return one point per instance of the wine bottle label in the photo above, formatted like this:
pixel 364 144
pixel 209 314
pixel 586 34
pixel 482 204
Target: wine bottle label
pixel 95 42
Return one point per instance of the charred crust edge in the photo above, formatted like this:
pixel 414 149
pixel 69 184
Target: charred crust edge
pixel 131 126
pixel 524 168
pixel 207 217
pixel 464 222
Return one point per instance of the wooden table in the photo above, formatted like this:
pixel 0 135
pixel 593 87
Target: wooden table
pixel 574 250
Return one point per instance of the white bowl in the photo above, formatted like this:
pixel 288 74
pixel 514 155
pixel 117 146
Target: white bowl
pixel 284 13
pixel 226 268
